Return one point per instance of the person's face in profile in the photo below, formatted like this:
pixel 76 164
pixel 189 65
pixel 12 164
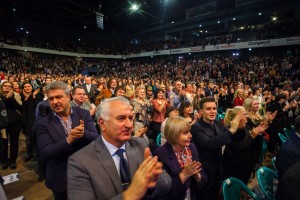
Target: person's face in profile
pixel 184 138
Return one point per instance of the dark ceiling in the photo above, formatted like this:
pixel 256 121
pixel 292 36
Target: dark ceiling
pixel 80 14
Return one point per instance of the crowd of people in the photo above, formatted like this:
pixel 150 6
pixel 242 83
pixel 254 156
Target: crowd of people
pixel 103 123
pixel 262 31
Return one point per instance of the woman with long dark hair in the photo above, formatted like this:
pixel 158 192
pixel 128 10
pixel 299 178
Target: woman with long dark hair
pixel 30 99
pixel 186 111
pixel 160 105
pixel 13 104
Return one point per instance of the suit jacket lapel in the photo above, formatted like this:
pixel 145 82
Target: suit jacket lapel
pixel 58 126
pixel 132 158
pixel 172 158
pixel 108 164
pixel 75 118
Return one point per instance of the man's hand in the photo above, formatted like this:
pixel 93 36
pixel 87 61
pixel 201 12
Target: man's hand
pixel 76 132
pixel 144 178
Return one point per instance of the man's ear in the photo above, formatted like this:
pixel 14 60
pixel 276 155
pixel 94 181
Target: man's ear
pixel 101 124
pixel 200 112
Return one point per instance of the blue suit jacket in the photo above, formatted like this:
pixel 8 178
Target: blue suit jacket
pixel 54 149
pixel 209 145
pixel 167 156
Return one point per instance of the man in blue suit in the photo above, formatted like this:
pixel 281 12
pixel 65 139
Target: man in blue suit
pixel 61 133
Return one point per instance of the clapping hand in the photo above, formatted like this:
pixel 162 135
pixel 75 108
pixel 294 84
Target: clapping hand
pixel 144 178
pixel 191 168
pixel 36 91
pixel 241 115
pixel 10 94
pixel 76 132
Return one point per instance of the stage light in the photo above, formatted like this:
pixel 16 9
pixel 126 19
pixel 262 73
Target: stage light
pixel 274 18
pixel 233 19
pixel 259 14
pixel 134 7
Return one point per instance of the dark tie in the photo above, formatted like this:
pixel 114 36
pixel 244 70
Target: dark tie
pixel 124 168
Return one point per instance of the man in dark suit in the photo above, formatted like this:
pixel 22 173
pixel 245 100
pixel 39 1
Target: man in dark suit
pixel 209 135
pixel 289 154
pixel 89 88
pixel 116 165
pixel 60 134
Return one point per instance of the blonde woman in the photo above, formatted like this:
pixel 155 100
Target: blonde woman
pixel 238 99
pixel 254 118
pixel 180 159
pixel 142 109
pixel 241 156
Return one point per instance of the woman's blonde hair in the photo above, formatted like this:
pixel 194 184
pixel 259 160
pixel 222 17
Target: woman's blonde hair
pixel 247 105
pixel 231 113
pixel 173 128
pixel 137 90
pixel 237 91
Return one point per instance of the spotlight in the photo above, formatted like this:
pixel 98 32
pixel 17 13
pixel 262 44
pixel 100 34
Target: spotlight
pixel 134 7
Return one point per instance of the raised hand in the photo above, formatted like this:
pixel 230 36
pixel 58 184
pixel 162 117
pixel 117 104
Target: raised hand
pixel 77 132
pixel 191 168
pixel 259 129
pixel 241 115
pixel 144 178
pixel 36 91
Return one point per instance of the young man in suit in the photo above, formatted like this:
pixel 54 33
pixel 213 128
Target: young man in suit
pixel 209 135
pixel 116 165
pixel 61 133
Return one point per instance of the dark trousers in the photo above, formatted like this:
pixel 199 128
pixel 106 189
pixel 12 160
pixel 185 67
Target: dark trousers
pixel 210 192
pixel 13 132
pixel 60 195
pixel 155 127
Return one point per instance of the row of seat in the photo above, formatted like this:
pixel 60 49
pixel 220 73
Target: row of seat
pixel 287 133
pixel 232 187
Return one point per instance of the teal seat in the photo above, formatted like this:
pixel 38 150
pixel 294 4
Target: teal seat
pixel 293 128
pixel 282 137
pixel 232 188
pixel 265 177
pixel 274 163
pixel 287 132
pixel 158 139
pixel 263 151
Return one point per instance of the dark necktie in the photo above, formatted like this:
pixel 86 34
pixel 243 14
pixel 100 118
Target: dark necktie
pixel 124 168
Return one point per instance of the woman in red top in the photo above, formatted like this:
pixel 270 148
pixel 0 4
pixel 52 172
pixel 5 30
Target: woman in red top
pixel 238 98
pixel 160 105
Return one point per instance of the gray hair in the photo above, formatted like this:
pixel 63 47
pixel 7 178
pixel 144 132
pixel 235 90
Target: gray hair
pixel 58 85
pixel 103 108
